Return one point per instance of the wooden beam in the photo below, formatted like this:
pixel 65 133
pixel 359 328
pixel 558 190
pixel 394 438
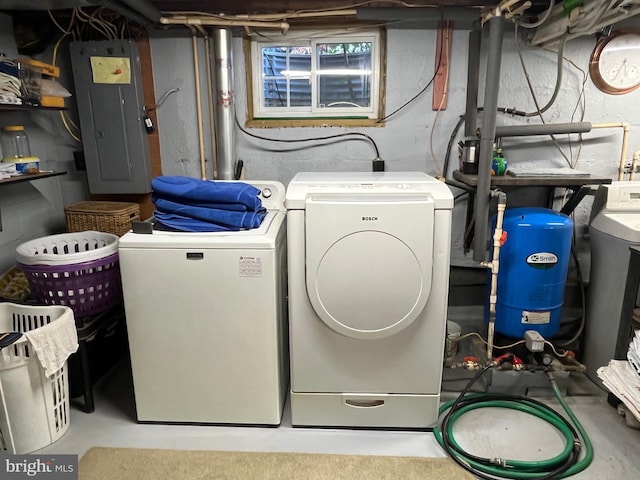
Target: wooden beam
pixel 443 56
pixel 261 6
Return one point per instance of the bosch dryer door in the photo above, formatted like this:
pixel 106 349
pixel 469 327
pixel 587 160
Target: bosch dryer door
pixel 369 261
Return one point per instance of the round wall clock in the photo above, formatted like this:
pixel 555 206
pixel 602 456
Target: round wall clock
pixel 615 63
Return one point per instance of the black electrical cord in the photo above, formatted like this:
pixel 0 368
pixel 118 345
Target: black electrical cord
pixel 452 138
pixel 562 465
pixel 328 137
pixel 424 89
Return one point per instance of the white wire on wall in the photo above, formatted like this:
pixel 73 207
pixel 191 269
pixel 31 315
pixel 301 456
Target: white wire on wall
pixel 96 21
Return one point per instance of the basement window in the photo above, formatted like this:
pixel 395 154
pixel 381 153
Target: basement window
pixel 316 75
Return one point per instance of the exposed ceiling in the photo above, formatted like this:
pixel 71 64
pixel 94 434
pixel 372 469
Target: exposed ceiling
pixel 232 7
pixel 584 19
pixel 262 6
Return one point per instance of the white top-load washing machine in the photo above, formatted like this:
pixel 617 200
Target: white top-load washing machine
pixel 614 229
pixel 206 318
pixel 368 284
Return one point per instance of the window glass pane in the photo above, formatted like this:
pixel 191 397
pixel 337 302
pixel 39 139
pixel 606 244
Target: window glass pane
pixel 344 74
pixel 300 92
pixel 286 73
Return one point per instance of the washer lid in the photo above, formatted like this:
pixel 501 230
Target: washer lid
pixel 263 237
pixel 369 262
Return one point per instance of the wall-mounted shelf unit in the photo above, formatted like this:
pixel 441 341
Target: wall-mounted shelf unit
pixel 15 108
pixel 579 185
pixel 30 176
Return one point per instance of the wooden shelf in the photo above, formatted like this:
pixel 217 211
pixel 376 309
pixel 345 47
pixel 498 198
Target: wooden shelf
pixel 29 177
pixel 534 181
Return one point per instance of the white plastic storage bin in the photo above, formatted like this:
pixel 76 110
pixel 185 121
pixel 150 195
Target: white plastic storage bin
pixel 34 409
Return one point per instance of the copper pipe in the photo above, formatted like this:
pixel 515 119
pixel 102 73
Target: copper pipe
pixel 625 142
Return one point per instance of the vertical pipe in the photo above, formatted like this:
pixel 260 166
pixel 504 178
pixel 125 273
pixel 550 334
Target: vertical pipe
pixel 634 165
pixel 473 74
pixel 495 268
pixel 196 68
pixel 212 123
pixel 487 137
pixel 225 115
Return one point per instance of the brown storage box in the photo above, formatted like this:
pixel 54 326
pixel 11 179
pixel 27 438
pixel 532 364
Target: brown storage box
pixel 110 217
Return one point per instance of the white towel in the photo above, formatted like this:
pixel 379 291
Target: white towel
pixel 54 342
pixel 7 170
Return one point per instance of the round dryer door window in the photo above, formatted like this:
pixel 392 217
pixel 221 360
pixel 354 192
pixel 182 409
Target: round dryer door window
pixel 368 285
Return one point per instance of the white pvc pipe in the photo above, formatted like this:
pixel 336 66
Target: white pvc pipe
pixel 625 142
pixel 196 69
pixel 495 268
pixel 192 20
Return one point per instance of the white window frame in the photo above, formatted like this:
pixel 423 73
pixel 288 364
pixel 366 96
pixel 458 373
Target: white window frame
pixel 311 38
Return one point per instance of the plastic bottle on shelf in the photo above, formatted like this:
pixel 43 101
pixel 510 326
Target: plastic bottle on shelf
pixel 15 148
pixel 499 164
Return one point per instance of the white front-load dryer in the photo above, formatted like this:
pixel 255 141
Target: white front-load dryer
pixel 368 259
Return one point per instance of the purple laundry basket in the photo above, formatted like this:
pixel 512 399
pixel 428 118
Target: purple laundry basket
pixel 78 270
pixel 88 288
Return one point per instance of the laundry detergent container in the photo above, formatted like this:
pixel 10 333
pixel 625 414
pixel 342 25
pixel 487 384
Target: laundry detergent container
pixel 532 271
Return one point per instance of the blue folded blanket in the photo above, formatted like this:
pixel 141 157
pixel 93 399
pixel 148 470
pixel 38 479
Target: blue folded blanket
pixel 170 221
pixel 237 207
pixel 224 218
pixel 206 193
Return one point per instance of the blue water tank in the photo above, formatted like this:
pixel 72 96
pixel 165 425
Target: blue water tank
pixel 532 272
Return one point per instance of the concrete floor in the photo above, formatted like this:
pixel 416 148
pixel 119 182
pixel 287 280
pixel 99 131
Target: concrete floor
pixel 487 432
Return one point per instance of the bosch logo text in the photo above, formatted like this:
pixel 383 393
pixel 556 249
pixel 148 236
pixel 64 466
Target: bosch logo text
pixel 369 219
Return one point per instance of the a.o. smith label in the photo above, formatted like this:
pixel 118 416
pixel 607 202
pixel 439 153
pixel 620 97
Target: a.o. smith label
pixel 542 260
pixel 51 467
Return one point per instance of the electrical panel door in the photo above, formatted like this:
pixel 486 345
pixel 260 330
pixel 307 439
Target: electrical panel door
pixel 109 95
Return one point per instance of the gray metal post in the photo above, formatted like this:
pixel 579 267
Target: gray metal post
pixel 487 136
pixel 473 74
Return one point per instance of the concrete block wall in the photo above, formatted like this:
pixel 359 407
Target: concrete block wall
pixel 417 137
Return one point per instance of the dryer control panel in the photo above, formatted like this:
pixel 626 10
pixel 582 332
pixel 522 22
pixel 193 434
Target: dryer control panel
pixel 307 184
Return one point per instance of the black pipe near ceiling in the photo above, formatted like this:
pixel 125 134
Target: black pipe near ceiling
pixel 144 8
pixel 139 11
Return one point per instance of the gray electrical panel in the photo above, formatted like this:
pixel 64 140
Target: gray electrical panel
pixel 109 95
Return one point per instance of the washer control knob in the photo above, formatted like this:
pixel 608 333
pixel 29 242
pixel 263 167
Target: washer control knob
pixel 266 192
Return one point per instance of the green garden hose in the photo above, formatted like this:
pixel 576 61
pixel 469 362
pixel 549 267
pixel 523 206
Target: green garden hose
pixel 566 463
